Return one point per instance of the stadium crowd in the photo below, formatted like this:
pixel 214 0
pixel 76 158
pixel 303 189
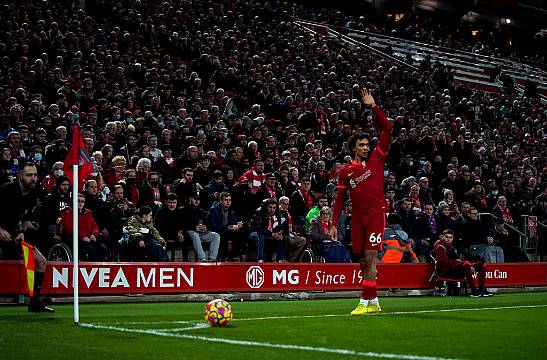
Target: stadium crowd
pixel 226 125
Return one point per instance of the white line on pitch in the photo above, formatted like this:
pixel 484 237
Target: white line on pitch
pixel 395 312
pixel 341 315
pixel 267 345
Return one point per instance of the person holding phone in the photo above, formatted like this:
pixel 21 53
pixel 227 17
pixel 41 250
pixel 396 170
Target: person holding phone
pixel 195 226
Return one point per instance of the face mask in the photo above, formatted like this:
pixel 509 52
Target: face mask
pixel 117 117
pixel 225 135
pixel 58 172
pixel 131 181
pixel 495 192
pixel 37 156
pixel 411 163
pixel 154 183
pixel 386 172
pixel 129 120
pixel 422 162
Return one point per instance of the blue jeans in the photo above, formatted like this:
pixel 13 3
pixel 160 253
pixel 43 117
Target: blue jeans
pixel 261 241
pixel 209 236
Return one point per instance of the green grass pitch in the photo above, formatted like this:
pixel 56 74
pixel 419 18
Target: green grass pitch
pixel 506 326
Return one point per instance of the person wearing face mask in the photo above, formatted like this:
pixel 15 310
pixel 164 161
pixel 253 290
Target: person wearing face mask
pixel 131 188
pixel 50 180
pixel 492 197
pixel 36 156
pixel 165 165
pixel 152 192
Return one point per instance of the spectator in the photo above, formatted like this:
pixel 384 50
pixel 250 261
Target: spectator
pixel 507 242
pixel 444 220
pixel 54 204
pixel 325 235
pixel 120 210
pixel 295 243
pixel 186 185
pixel 301 202
pixel 427 229
pixel 148 243
pixel 449 200
pixel 211 192
pixel 409 221
pixel 502 211
pixel 90 247
pixel 477 242
pixel 152 193
pixel 314 213
pixel 169 224
pixel 256 176
pixel 196 227
pixel 50 180
pixel 223 220
pixel 270 189
pixel 268 233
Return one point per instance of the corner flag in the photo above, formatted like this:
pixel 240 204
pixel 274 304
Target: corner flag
pixel 28 261
pixel 78 155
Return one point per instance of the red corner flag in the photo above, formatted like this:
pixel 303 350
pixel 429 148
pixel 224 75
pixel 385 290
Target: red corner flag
pixel 28 261
pixel 78 155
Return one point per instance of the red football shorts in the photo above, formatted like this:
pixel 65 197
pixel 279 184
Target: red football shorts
pixel 368 233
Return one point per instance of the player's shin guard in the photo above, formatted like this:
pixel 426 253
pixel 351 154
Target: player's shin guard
pixel 369 290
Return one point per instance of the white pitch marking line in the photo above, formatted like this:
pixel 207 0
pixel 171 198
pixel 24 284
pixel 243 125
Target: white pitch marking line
pixel 268 345
pixel 339 315
pixel 395 312
pixel 195 327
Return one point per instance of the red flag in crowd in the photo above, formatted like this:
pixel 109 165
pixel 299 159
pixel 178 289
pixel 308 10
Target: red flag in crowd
pixel 78 155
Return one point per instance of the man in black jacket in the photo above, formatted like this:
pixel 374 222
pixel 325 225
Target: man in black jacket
pixel 168 223
pixel 16 222
pixel 194 220
pixel 268 232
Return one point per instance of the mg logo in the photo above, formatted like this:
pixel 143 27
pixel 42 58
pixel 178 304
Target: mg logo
pixel 254 277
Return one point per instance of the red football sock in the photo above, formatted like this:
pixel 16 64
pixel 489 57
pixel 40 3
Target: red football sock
pixel 369 290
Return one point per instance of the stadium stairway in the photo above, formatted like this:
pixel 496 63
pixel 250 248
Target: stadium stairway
pixel 470 70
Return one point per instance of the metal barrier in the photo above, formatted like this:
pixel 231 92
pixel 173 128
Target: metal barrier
pixel 534 231
pixel 523 238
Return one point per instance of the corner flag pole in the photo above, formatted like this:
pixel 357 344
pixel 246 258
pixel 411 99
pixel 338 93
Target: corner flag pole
pixel 75 211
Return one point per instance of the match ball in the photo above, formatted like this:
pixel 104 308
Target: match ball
pixel 218 312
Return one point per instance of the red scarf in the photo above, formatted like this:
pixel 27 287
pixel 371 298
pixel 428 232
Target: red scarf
pixel 325 227
pixel 506 215
pixel 307 199
pixel 271 191
pixel 272 222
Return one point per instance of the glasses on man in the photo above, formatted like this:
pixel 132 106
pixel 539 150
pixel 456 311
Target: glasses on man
pixel 473 213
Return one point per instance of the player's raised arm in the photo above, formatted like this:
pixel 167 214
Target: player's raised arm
pixel 385 126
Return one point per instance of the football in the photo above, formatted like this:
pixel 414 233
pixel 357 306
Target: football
pixel 218 312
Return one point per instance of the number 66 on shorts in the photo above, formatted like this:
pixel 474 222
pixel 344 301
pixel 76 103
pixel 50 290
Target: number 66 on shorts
pixel 367 234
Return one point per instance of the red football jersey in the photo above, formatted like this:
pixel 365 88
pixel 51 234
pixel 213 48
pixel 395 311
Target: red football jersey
pixel 365 181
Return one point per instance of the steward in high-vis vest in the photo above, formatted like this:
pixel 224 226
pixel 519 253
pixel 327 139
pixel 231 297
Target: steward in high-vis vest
pixel 397 246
